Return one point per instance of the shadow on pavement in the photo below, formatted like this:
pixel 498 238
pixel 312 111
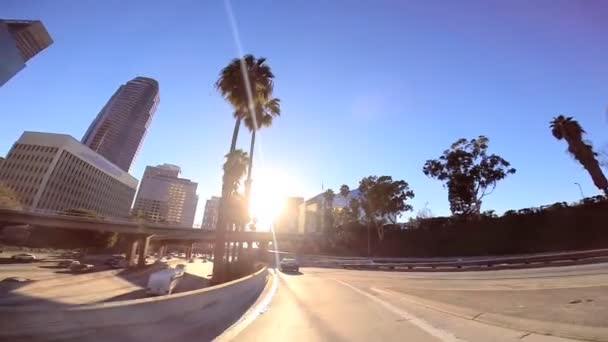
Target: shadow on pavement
pixel 11 261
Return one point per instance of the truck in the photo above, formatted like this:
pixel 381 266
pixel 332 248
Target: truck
pixel 163 282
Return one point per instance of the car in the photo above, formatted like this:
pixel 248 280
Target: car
pixel 289 265
pixel 68 263
pixel 119 263
pixel 114 259
pixel 26 257
pixel 81 267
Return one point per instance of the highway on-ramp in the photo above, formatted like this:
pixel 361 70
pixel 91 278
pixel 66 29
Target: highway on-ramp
pixel 546 304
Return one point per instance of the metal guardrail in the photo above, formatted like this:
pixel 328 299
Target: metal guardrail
pixel 509 261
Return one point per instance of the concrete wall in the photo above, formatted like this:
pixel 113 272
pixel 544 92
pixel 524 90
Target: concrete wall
pixel 201 314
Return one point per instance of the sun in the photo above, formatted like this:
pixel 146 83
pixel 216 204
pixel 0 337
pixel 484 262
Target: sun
pixel 268 194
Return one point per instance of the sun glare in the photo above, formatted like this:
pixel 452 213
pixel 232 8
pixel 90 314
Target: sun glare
pixel 268 194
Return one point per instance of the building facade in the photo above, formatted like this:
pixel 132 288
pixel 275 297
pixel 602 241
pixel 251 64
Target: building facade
pixel 312 217
pixel 20 40
pixel 56 172
pixel 164 197
pixel 120 127
pixel 212 208
pixel 288 219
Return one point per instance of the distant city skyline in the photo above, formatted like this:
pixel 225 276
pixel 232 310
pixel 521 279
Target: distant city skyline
pixel 356 100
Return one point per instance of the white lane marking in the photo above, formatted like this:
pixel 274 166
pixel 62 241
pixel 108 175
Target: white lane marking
pixel 248 318
pixel 420 323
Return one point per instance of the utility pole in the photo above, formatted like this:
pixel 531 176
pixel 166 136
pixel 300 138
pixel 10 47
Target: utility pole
pixel 580 189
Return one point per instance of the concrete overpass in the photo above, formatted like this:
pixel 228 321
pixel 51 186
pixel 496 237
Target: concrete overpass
pixel 140 232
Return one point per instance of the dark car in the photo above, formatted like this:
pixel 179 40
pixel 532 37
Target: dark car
pixel 289 265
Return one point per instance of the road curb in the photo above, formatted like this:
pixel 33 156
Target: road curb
pixel 587 333
pixel 259 307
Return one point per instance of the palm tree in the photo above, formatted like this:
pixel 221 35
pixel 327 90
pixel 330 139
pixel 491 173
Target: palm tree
pixel 265 112
pixel 234 170
pixel 244 82
pixel 344 191
pixel 570 130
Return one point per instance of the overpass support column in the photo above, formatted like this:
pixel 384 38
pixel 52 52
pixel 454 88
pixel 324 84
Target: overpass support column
pixel 189 251
pixel 162 251
pixel 131 245
pixel 144 243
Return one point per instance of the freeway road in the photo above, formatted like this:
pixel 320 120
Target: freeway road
pixel 508 305
pixel 73 291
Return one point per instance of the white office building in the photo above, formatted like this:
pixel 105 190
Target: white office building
pixel 56 172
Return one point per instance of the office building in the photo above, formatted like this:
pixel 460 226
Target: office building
pixel 312 218
pixel 120 127
pixel 164 197
pixel 288 219
pixel 56 172
pixel 212 208
pixel 20 40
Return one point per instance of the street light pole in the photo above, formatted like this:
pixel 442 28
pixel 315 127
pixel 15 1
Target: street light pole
pixel 580 189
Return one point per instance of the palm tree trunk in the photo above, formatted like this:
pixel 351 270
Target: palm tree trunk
pixel 235 134
pixel 248 181
pixel 219 250
pixel 585 155
pixel 593 167
pixel 249 170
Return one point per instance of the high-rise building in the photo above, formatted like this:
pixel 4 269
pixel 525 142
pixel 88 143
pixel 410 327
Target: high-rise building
pixel 288 219
pixel 20 40
pixel 164 197
pixel 212 208
pixel 120 127
pixel 56 172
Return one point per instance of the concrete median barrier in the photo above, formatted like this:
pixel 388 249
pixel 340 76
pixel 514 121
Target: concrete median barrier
pixel 207 311
pixel 493 263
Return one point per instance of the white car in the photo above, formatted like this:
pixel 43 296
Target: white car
pixel 27 257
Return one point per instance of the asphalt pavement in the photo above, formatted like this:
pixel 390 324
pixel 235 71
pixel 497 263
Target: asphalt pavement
pixel 79 290
pixel 548 304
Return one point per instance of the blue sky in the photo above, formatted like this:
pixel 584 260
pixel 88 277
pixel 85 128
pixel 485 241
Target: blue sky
pixel 367 87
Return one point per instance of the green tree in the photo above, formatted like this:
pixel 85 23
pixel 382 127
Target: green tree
pixel 8 199
pixel 469 172
pixel 382 200
pixel 570 130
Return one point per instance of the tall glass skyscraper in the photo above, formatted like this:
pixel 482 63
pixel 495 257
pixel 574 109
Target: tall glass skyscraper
pixel 20 40
pixel 118 130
